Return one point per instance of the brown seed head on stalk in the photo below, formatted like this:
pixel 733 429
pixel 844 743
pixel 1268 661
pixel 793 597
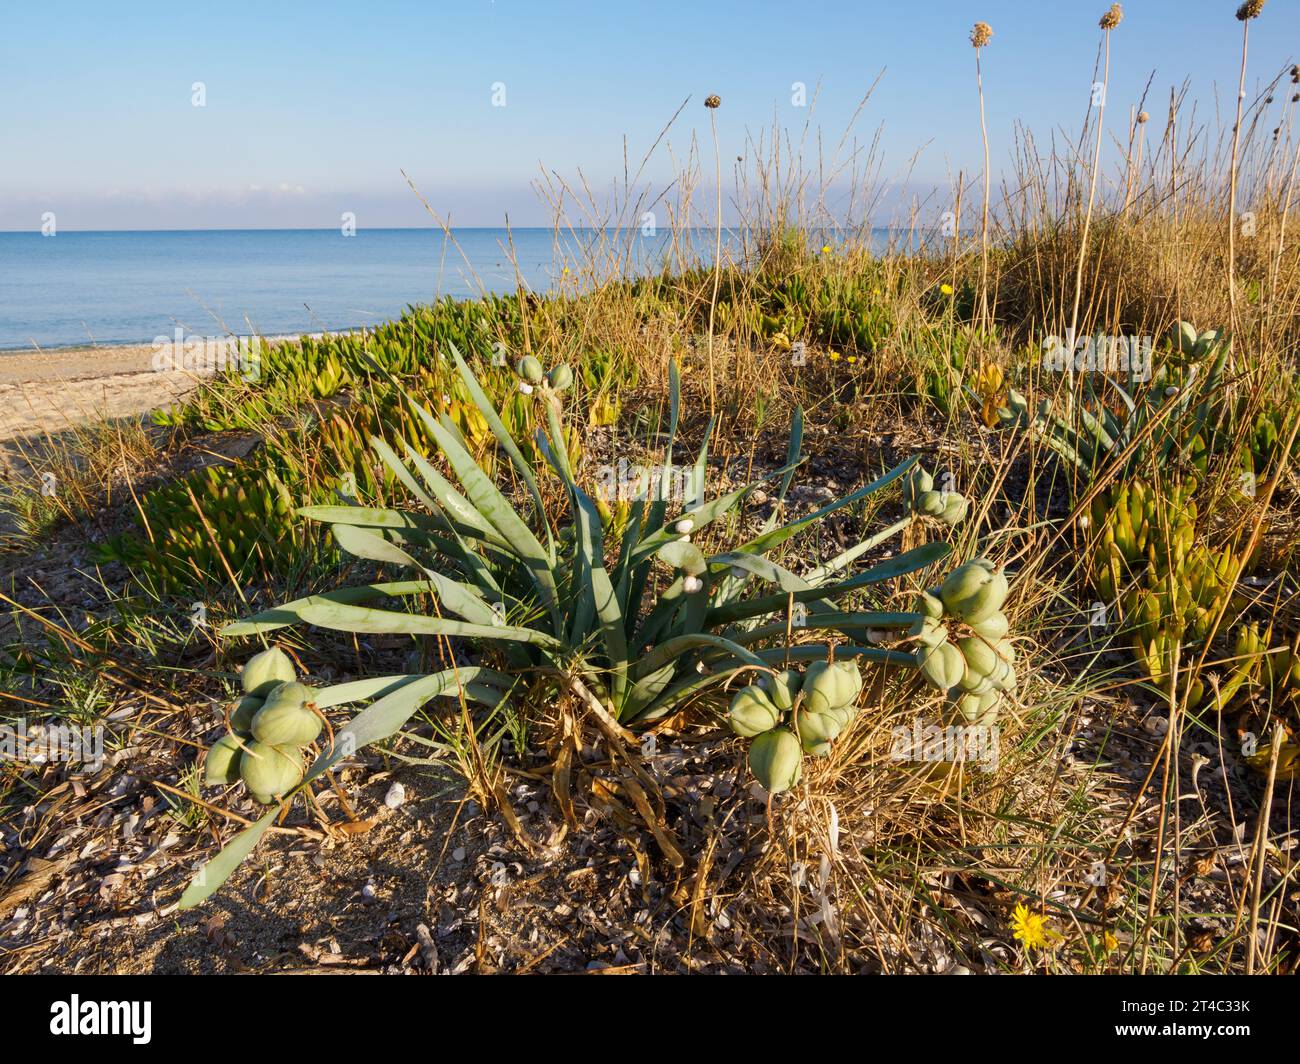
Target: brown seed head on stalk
pixel 1250 9
pixel 1143 118
pixel 981 34
pixel 1112 18
pixel 1295 74
pixel 713 102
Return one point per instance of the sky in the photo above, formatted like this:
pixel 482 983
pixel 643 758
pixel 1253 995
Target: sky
pixel 314 109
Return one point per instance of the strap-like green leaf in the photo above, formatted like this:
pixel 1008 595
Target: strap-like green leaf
pixel 765 541
pixel 907 562
pixel 674 648
pixel 208 880
pixel 343 618
pixel 283 616
pixel 499 430
pixel 497 511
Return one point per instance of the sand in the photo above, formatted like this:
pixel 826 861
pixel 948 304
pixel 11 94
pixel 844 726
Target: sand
pixel 53 391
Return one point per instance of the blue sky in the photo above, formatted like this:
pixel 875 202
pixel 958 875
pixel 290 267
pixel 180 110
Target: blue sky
pixel 314 108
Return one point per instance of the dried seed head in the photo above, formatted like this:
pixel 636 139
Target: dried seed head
pixel 1143 118
pixel 1250 9
pixel 1295 74
pixel 713 102
pixel 981 34
pixel 1112 18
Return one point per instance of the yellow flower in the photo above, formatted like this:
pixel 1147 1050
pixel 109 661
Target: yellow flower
pixel 826 249
pixel 946 289
pixel 835 356
pixel 853 358
pixel 1032 930
pixel 1109 942
pixel 566 271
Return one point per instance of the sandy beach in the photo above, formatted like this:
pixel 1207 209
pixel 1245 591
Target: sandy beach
pixel 52 391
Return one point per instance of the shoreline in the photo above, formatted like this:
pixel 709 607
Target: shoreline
pixel 50 391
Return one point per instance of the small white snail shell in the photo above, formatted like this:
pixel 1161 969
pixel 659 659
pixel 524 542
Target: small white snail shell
pixel 525 387
pixel 684 526
pixel 692 584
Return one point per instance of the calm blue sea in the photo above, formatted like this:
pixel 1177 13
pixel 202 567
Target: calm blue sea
pixel 75 288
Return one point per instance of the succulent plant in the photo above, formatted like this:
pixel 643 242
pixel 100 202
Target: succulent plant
pixel 1165 419
pixel 1147 560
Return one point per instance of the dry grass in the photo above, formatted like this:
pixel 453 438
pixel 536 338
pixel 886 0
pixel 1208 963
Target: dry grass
pixel 1119 815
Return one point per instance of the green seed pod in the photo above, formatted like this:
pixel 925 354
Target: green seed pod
pixel 269 771
pixel 530 370
pixel 993 627
pixel 285 724
pixel 914 484
pixel 1206 342
pixel 776 760
pixel 931 605
pixel 973 684
pixel 928 632
pixel 829 686
pixel 942 666
pixel 930 502
pixel 560 377
pixel 961 583
pixel 1183 337
pixel 981 658
pixel 974 591
pixel 241 717
pixel 265 670
pixel 979 708
pixel 1004 677
pixel 954 509
pixel 290 694
pixel 782 688
pixel 752 712
pixel 222 763
pixel 818 730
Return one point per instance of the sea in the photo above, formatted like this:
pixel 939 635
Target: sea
pixel 73 289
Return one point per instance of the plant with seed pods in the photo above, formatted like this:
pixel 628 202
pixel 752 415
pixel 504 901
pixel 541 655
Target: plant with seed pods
pixel 965 649
pixel 633 629
pixel 920 496
pixel 1180 409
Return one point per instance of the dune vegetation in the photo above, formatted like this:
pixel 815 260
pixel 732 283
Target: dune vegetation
pixel 819 601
